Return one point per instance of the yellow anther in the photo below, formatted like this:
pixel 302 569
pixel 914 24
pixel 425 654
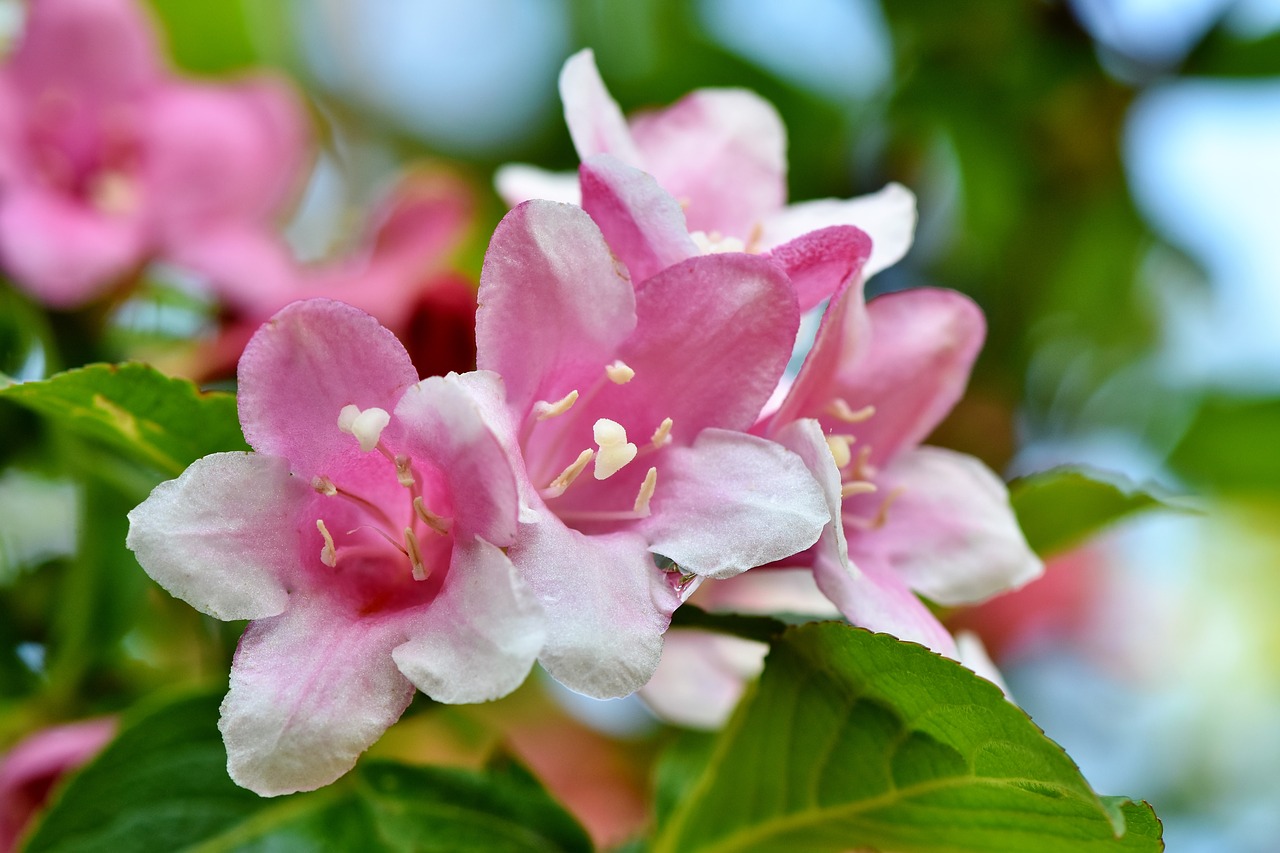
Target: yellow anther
pixel 328 554
pixel 404 471
pixel 856 487
pixel 438 523
pixel 324 486
pixel 646 493
pixel 619 372
pixel 713 243
pixel 557 486
pixel 862 467
pixel 662 435
pixel 414 551
pixel 840 409
pixel 347 418
pixel 839 447
pixel 615 451
pixel 545 410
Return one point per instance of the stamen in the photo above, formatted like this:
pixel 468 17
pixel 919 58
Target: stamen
pixel 557 486
pixel 414 551
pixel 368 427
pixel 324 486
pixel 839 446
pixel 545 410
pixel 404 472
pixel 856 487
pixel 839 408
pixel 615 451
pixel 328 554
pixel 662 435
pixel 438 523
pixel 882 514
pixel 862 467
pixel 347 417
pixel 619 372
pixel 712 243
pixel 646 493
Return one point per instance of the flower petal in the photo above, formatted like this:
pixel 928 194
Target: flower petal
pixel 805 439
pixel 437 421
pixel 222 537
pixel 888 216
pixel 819 262
pixel 63 252
pixel 607 605
pixel 554 303
pixel 595 120
pixel 713 335
pixel 518 182
pixel 302 367
pixel 732 501
pixel 701 677
pixel 310 690
pixel 641 222
pixel 722 154
pixel 950 534
pixel 484 630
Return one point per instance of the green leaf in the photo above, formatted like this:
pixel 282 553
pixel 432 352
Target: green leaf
pixel 162 785
pixel 853 739
pixel 134 409
pixel 207 36
pixel 1062 507
pixel 747 627
pixel 1230 446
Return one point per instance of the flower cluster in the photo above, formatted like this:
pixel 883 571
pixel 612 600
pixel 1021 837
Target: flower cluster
pixel 627 437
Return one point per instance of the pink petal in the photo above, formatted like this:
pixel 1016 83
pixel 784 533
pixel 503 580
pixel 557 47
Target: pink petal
pixel 873 596
pixel 595 121
pixel 950 534
pixel 805 439
pixel 250 269
pixel 713 335
pixel 302 367
pixel 438 422
pixel 222 537
pixel 517 182
pixel 701 677
pixel 484 631
pixel 888 216
pixel 767 591
pixel 607 605
pixel 62 251
pixel 310 690
pixel 641 222
pixel 220 154
pixel 733 501
pixel 424 217
pixel 554 304
pixel 101 50
pixel 722 154
pixel 819 262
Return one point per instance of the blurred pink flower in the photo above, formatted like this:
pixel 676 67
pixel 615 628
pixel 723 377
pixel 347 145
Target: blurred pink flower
pixel 653 383
pixel 34 766
pixel 364 539
pixel 106 160
pixel 719 157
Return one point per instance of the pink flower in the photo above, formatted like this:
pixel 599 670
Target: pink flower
pixel 107 161
pixel 32 768
pixel 719 158
pixel 364 539
pixel 627 400
pixel 880 377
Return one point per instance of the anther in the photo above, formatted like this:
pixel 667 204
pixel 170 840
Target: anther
pixel 438 523
pixel 324 486
pixel 366 425
pixel 839 446
pixel 545 410
pixel 557 486
pixel 404 471
pixel 711 243
pixel 662 435
pixel 862 467
pixel 619 372
pixel 414 551
pixel 839 408
pixel 856 487
pixel 615 451
pixel 328 554
pixel 646 493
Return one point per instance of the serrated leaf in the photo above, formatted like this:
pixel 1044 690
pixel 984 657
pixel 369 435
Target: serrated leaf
pixel 1062 507
pixel 856 740
pixel 134 409
pixel 162 785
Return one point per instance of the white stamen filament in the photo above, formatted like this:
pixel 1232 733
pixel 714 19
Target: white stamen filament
pixel 566 477
pixel 439 523
pixel 856 487
pixel 661 435
pixel 839 408
pixel 545 410
pixel 839 447
pixel 328 554
pixel 414 551
pixel 619 372
pixel 615 451
pixel 647 488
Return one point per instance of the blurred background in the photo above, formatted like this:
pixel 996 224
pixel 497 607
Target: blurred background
pixel 1101 176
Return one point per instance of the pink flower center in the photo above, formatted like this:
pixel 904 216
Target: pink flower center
pixel 857 474
pixel 90 155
